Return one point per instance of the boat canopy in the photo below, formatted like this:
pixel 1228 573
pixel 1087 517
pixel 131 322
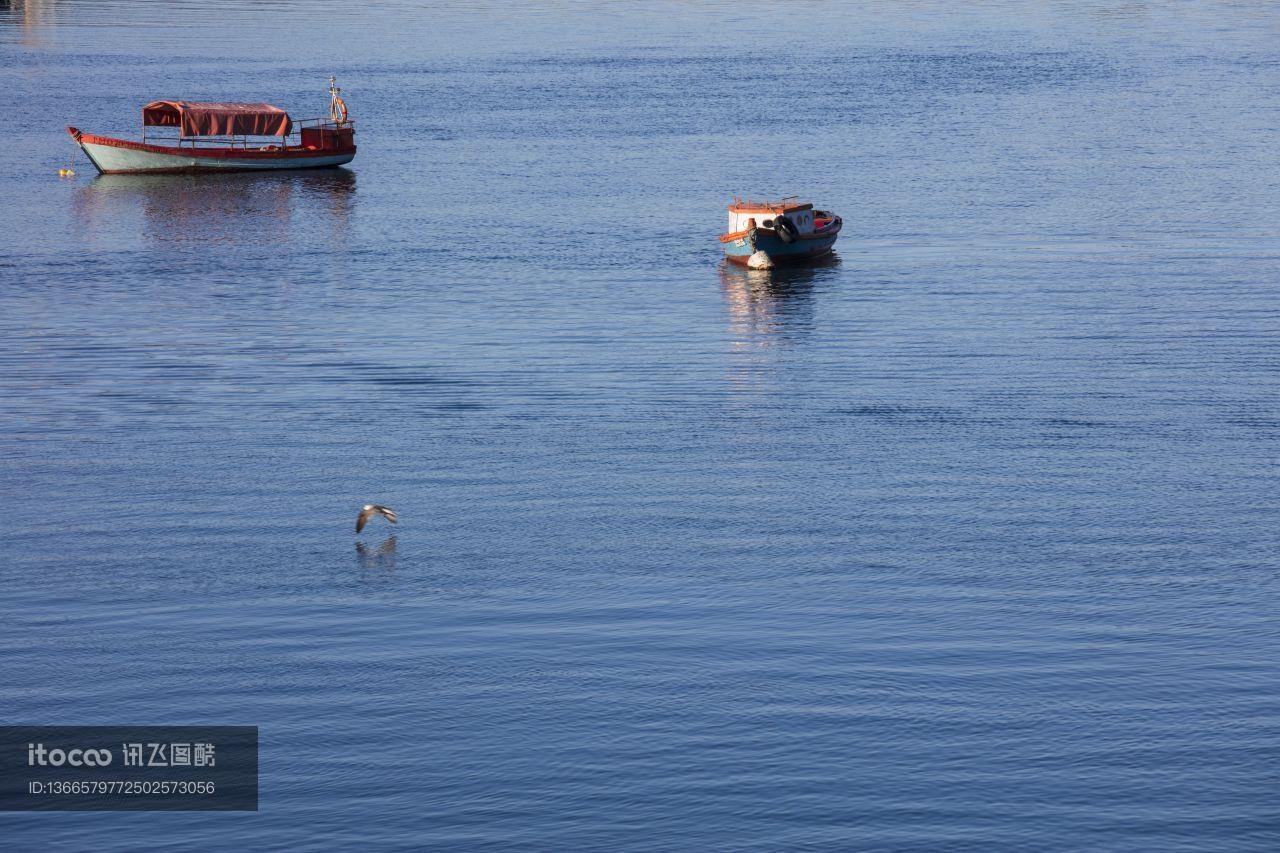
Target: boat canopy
pixel 195 118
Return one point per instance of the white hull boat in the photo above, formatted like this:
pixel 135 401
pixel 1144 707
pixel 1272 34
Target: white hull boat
pixel 226 137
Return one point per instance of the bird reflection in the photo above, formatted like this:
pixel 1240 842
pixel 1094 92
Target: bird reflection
pixel 241 207
pixel 383 557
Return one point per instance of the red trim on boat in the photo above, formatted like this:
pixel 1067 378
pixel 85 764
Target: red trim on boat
pixel 274 152
pixel 832 227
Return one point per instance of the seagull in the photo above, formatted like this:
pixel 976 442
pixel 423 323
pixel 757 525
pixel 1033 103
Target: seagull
pixel 374 509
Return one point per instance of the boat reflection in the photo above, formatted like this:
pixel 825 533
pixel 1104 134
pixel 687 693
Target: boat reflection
pixel 768 306
pixel 235 208
pixel 33 16
pixel 383 557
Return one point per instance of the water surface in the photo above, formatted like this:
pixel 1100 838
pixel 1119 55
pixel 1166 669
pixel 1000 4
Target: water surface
pixel 962 541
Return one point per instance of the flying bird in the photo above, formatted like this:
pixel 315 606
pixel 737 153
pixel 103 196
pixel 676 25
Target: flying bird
pixel 370 510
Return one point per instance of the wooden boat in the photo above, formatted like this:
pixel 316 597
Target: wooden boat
pixel 762 233
pixel 226 137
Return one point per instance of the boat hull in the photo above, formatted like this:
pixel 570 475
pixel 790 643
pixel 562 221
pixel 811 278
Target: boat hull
pixel 806 247
pixel 122 157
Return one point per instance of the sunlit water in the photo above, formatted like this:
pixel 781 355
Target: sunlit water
pixel 964 541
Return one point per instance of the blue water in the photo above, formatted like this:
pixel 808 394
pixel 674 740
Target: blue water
pixel 963 541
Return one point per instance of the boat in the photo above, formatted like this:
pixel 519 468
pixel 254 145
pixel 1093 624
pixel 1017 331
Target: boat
pixel 226 137
pixel 764 233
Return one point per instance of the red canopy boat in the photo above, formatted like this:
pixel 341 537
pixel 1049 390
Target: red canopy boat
pixel 221 137
pixel 193 118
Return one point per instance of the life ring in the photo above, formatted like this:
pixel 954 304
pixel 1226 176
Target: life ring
pixel 338 112
pixel 787 231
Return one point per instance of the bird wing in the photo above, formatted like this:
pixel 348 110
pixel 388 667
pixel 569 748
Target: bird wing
pixel 386 512
pixel 363 518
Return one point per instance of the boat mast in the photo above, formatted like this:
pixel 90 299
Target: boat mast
pixel 337 106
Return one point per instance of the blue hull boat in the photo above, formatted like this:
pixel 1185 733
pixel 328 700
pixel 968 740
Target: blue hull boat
pixel 785 231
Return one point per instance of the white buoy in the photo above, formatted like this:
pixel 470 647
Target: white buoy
pixel 760 261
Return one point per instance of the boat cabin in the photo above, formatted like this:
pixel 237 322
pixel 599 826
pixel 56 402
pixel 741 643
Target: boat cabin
pixel 743 212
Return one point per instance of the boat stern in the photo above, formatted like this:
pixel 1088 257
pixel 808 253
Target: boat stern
pixel 740 245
